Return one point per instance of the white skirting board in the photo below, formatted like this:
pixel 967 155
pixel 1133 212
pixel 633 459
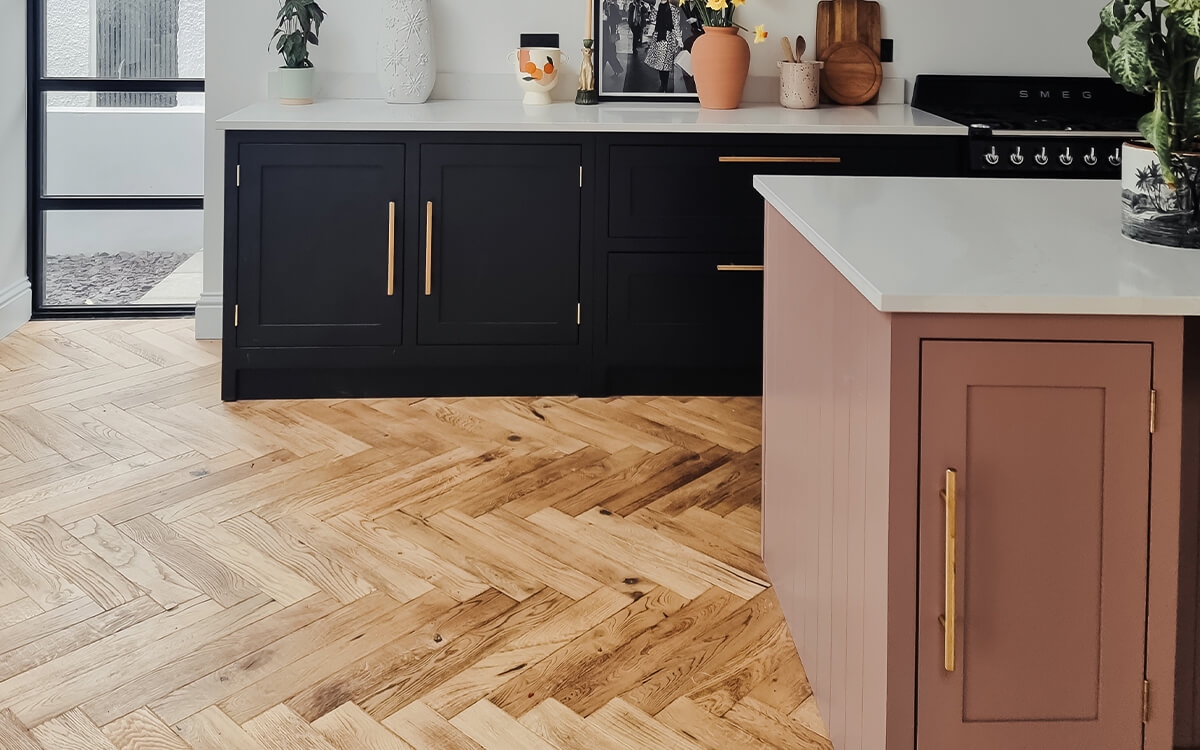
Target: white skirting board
pixel 209 316
pixel 16 305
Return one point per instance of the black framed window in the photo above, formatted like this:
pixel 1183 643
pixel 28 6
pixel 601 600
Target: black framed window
pixel 116 146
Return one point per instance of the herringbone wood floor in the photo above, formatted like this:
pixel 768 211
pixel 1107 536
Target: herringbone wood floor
pixel 531 574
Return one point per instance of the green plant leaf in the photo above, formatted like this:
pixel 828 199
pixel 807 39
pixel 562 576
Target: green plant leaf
pixel 1101 44
pixel 1129 64
pixel 1155 127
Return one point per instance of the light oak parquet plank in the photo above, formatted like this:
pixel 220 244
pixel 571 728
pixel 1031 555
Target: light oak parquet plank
pixel 193 563
pixel 262 571
pixel 569 484
pixel 563 728
pixel 707 729
pixel 142 730
pixel 77 563
pixel 211 729
pixel 559 672
pixel 637 730
pixel 162 582
pixel 23 609
pixel 23 630
pixel 702 535
pixel 334 579
pixel 14 735
pixel 281 729
pixel 372 564
pixel 146 435
pixel 495 730
pixel 33 573
pixel 78 686
pixel 774 727
pixel 403 670
pixel 57 643
pixel 348 727
pixel 325 664
pixel 284 663
pixel 523 651
pixel 233 644
pixel 425 729
pixel 512 582
pixel 50 432
pixel 71 731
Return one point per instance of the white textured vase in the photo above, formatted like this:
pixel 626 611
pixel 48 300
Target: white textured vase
pixel 406 66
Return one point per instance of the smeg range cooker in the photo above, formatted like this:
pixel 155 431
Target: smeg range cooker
pixel 1035 126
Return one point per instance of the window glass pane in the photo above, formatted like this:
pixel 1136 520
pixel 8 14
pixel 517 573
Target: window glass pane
pixel 109 258
pixel 124 38
pixel 97 150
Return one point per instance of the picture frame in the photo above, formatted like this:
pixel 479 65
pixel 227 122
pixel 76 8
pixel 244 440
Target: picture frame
pixel 631 57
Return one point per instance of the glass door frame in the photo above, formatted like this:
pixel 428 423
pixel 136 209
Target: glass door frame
pixel 38 84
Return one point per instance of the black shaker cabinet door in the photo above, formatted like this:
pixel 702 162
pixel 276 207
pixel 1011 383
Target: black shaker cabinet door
pixel 500 242
pixel 320 242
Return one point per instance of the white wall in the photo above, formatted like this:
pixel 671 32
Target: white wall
pixel 15 298
pixel 472 38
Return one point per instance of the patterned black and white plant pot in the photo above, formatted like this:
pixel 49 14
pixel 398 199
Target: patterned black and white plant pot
pixel 1153 210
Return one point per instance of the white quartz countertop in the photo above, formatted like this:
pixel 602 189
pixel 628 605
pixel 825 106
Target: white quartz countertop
pixel 610 117
pixel 971 245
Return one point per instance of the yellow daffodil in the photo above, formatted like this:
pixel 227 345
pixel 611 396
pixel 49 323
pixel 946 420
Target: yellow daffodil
pixel 717 4
pixel 760 32
pixel 738 3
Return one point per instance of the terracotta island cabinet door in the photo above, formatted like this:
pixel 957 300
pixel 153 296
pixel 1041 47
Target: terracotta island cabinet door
pixel 1032 620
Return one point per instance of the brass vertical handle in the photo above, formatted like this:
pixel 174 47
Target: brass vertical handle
pixel 391 281
pixel 950 619
pixel 428 248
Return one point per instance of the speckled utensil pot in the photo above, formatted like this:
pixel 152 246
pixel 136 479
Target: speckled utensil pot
pixel 800 84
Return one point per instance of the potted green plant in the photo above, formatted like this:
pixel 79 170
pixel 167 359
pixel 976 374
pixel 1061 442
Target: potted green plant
pixel 1152 47
pixel 299 24
pixel 720 57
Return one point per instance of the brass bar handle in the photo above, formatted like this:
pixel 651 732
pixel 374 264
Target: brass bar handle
pixel 391 281
pixel 735 267
pixel 780 159
pixel 428 248
pixel 950 619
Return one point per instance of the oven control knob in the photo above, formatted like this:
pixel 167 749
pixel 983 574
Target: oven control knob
pixel 1115 158
pixel 991 157
pixel 1065 158
pixel 1041 157
pixel 1090 157
pixel 1017 158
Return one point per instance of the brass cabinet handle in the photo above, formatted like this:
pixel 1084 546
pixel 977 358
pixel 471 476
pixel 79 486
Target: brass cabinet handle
pixel 428 248
pixel 780 160
pixel 735 267
pixel 391 285
pixel 950 619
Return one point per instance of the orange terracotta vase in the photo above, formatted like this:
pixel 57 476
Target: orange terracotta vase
pixel 721 63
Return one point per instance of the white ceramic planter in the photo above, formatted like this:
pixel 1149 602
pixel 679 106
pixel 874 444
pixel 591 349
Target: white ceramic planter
pixel 1153 211
pixel 297 85
pixel 406 66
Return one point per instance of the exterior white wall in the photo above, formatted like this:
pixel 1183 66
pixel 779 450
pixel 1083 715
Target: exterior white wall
pixel 473 37
pixel 15 297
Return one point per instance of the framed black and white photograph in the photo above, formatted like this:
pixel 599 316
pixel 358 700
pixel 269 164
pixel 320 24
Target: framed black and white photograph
pixel 645 49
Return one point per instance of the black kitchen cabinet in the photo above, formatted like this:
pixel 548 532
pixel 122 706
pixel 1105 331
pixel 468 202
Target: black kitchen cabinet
pixel 683 323
pixel 518 264
pixel 502 238
pixel 318 227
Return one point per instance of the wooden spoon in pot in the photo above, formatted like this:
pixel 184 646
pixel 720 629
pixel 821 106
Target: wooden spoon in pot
pixel 801 45
pixel 787 50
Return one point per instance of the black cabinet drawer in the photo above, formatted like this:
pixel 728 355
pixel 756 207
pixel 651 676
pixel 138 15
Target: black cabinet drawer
pixel 678 324
pixel 679 308
pixel 668 195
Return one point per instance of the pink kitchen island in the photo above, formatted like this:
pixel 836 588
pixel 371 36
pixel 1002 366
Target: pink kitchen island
pixel 981 469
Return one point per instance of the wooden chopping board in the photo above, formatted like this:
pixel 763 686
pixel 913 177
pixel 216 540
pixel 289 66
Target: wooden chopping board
pixel 848 41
